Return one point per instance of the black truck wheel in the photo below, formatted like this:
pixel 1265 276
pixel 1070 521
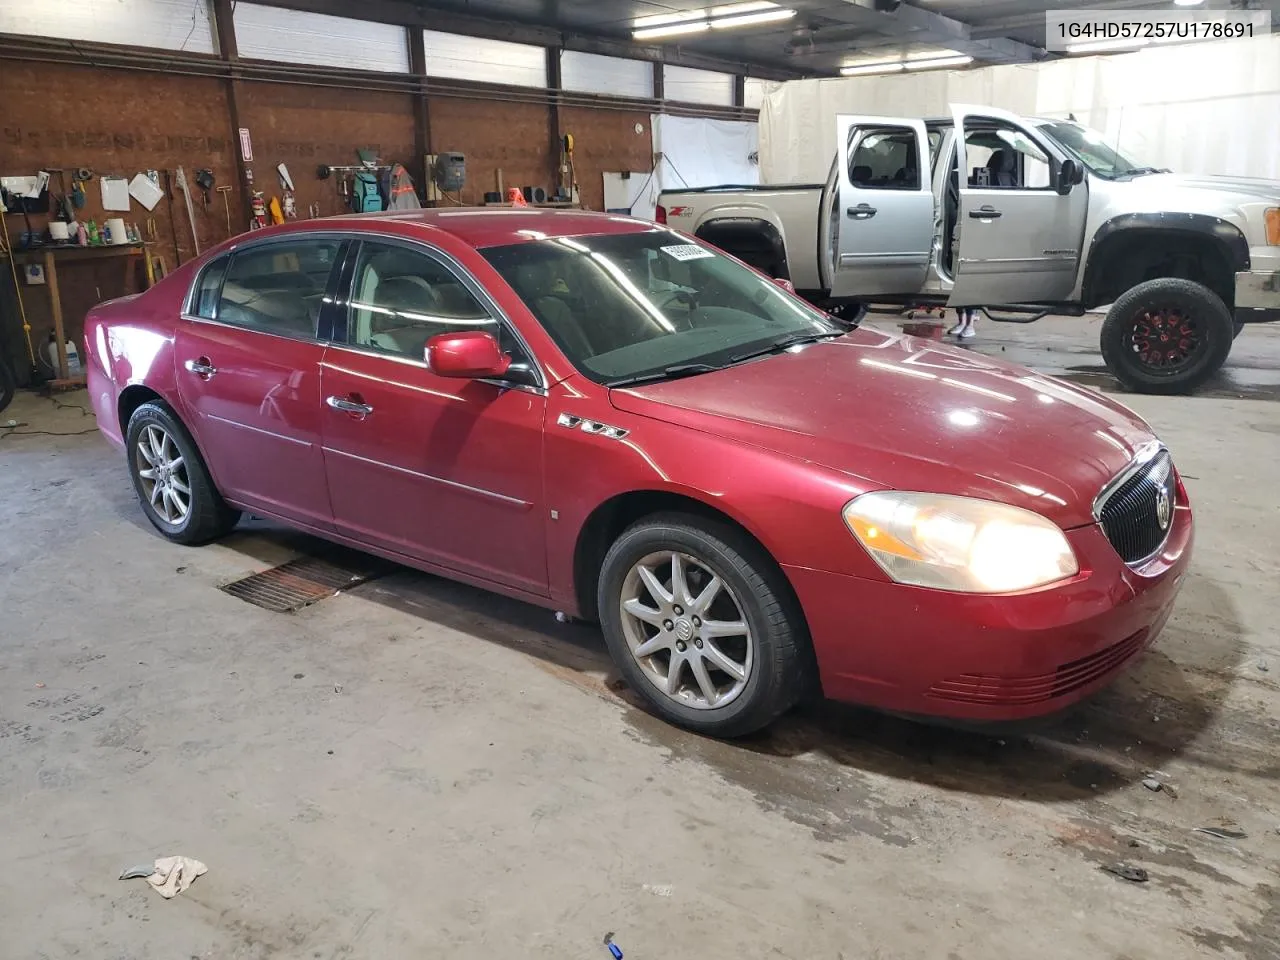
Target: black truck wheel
pixel 1167 336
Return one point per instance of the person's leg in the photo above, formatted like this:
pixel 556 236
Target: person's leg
pixel 961 322
pixel 971 319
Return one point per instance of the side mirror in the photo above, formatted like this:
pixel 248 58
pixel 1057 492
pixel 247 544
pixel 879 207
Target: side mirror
pixel 1069 174
pixel 467 355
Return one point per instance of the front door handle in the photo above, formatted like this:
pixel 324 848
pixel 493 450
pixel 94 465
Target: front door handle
pixel 863 211
pixel 985 213
pixel 346 405
pixel 202 367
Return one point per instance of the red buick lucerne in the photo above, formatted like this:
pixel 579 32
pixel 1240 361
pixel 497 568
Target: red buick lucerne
pixel 606 417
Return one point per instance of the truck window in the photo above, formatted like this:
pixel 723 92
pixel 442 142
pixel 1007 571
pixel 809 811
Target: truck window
pixel 885 158
pixel 1004 158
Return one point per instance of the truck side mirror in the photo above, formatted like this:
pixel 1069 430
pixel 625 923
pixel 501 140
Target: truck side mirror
pixel 1069 174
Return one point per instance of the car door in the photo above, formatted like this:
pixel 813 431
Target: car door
pixel 444 470
pixel 882 225
pixel 248 352
pixel 1018 237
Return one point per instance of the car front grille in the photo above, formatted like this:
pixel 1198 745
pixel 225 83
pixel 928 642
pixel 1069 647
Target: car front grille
pixel 1136 508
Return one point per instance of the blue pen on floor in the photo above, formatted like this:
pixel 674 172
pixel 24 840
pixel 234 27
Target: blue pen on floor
pixel 614 949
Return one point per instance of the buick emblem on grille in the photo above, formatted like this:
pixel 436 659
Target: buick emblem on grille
pixel 1164 508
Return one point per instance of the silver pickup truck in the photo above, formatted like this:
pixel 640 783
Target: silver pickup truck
pixel 1045 218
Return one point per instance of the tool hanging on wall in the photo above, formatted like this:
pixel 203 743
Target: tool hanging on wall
pixel 286 185
pixel 205 181
pixel 181 177
pixel 226 206
pixel 568 186
pixel 173 220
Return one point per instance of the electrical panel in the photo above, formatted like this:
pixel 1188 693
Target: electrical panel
pixel 451 171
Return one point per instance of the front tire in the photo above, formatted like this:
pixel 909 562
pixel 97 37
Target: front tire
pixel 171 479
pixel 703 626
pixel 1167 336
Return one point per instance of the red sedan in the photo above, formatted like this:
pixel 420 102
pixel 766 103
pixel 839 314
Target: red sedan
pixel 605 417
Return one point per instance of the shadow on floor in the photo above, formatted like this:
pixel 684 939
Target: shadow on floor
pixel 1091 750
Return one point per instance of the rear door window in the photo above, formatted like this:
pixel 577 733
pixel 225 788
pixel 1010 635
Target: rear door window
pixel 279 287
pixel 204 299
pixel 885 158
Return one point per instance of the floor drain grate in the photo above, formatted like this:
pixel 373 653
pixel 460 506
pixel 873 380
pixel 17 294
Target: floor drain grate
pixel 293 585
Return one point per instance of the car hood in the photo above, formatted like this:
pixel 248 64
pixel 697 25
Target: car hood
pixel 903 413
pixel 1243 187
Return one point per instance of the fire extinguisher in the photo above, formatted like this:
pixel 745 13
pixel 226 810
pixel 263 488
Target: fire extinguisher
pixel 259 219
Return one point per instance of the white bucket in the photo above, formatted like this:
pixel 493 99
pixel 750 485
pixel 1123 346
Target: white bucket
pixel 119 235
pixel 59 231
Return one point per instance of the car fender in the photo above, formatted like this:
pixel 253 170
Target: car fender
pixel 791 507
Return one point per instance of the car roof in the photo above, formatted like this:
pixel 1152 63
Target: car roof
pixel 497 226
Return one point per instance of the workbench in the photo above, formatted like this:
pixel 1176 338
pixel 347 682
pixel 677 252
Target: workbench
pixel 49 256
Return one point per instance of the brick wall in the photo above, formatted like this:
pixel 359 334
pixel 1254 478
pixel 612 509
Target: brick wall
pixel 120 122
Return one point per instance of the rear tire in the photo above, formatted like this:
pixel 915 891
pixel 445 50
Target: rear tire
pixel 1167 336
pixel 171 479
pixel 721 616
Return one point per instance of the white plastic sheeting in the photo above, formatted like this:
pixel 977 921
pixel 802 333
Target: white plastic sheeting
pixel 593 73
pixel 487 61
pixel 273 33
pixel 1202 109
pixel 168 24
pixel 697 152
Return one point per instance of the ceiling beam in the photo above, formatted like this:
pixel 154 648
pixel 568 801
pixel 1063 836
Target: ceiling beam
pixel 404 13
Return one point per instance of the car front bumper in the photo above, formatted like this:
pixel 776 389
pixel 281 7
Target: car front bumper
pixel 991 658
pixel 1258 291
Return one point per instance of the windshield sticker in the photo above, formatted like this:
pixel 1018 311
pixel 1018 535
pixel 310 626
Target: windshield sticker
pixel 687 251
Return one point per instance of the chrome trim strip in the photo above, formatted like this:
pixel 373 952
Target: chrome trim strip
pixel 488 494
pixel 1146 453
pixel 422 365
pixel 265 433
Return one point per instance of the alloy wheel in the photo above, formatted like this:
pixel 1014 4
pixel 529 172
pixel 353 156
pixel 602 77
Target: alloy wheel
pixel 1166 340
pixel 686 629
pixel 163 472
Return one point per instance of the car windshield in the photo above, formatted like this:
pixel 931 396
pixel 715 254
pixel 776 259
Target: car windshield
pixel 654 304
pixel 1091 149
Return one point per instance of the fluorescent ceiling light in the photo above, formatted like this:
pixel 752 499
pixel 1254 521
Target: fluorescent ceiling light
pixel 665 18
pixel 1099 46
pixel 746 19
pixel 895 66
pixel 722 17
pixel 956 61
pixel 1187 3
pixel 673 30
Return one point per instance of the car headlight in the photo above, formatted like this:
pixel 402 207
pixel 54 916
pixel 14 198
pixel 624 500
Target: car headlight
pixel 958 543
pixel 1272 219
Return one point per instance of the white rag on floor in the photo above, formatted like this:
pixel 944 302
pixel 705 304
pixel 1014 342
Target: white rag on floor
pixel 175 874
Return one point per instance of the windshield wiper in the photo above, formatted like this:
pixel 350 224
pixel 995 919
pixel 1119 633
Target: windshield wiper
pixel 669 373
pixel 786 343
pixel 1143 171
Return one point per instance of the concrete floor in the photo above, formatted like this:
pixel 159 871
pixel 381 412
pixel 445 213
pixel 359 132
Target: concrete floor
pixel 416 769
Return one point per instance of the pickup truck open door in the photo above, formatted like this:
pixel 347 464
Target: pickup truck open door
pixel 879 222
pixel 1018 226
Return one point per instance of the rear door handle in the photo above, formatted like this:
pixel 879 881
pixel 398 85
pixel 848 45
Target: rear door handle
pixel 202 367
pixel 863 211
pixel 985 213
pixel 350 406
